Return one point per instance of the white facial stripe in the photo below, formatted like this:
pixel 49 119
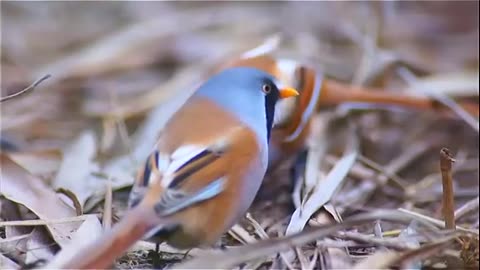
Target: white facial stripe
pixel 309 109
pixel 283 110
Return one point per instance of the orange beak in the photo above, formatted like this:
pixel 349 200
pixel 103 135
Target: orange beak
pixel 288 92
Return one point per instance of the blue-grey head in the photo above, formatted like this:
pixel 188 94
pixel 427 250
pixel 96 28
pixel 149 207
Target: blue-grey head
pixel 249 93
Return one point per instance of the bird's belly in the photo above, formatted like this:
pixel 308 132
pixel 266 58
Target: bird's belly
pixel 249 190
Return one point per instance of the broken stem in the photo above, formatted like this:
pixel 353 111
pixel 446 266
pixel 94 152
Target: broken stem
pixel 448 204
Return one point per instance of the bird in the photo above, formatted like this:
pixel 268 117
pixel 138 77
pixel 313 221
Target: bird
pixel 204 171
pixel 293 116
pixel 317 93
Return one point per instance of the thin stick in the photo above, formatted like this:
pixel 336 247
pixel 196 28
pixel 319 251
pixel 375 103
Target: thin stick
pixel 448 204
pixel 39 222
pixel 467 207
pixel 107 210
pixel 410 78
pixel 435 222
pixel 379 168
pixel 29 88
pixel 258 229
pixel 266 247
pixel 119 119
pixel 394 243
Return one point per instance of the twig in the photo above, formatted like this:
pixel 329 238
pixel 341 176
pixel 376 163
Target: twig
pixel 241 235
pixel 14 238
pixel 39 222
pixel 467 207
pixel 266 247
pixel 410 78
pixel 379 168
pixel 386 242
pixel 263 235
pixel 422 252
pixel 258 229
pixel 119 119
pixel 435 221
pixel 107 210
pixel 362 193
pixel 164 248
pixel 313 261
pixel 29 88
pixel 448 204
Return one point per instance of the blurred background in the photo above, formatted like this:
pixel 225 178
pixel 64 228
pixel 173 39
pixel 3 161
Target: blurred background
pixel 118 67
pixel 130 48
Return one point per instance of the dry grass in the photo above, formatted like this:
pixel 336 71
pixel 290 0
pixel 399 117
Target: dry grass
pixel 369 194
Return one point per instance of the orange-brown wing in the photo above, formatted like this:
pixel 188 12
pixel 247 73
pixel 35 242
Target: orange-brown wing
pixel 199 137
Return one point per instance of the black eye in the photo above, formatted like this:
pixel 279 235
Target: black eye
pixel 267 88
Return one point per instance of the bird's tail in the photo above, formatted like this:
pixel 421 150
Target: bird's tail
pixel 101 253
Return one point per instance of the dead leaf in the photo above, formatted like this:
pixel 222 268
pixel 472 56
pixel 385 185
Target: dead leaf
pixel 6 263
pixel 317 142
pixel 39 246
pixel 11 211
pixel 241 235
pixel 455 84
pixel 440 97
pixel 379 260
pixel 266 247
pixel 322 193
pixel 338 257
pixel 86 234
pixel 15 247
pixel 408 233
pixel 39 163
pixel 76 167
pixel 433 221
pixel 408 259
pixel 23 188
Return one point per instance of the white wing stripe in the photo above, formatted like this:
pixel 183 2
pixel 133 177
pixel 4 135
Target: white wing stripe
pixel 182 155
pixel 163 162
